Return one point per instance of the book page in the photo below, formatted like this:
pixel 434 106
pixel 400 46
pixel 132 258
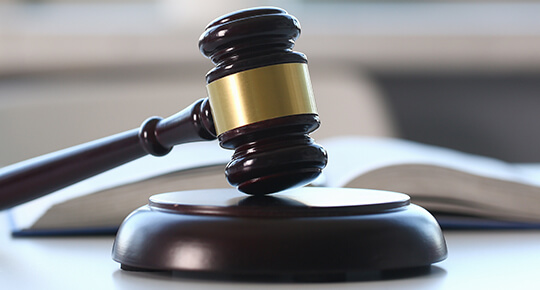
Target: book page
pixel 350 157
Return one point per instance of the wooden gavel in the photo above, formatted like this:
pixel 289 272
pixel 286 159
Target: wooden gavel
pixel 260 103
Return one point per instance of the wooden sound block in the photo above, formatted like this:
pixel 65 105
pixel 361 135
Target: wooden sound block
pixel 307 231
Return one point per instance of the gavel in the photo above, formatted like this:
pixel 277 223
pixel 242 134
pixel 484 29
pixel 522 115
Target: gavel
pixel 260 103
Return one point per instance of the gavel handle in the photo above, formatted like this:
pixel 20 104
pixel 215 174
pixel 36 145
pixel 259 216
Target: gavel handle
pixel 39 176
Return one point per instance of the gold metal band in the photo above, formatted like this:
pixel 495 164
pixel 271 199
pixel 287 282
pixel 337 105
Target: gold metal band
pixel 261 94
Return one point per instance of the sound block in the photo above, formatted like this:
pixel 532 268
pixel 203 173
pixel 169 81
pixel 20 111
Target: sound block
pixel 301 232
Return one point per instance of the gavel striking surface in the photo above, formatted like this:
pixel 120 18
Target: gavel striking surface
pixel 304 232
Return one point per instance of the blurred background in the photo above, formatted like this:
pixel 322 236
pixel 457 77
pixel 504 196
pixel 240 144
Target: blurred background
pixel 459 74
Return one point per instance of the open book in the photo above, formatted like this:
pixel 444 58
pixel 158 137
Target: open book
pixel 455 186
pixel 441 180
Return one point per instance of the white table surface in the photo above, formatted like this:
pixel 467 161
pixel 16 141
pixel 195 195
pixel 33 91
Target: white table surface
pixel 477 260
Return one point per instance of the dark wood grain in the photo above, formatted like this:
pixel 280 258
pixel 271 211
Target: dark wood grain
pixel 302 234
pixel 274 155
pixel 249 39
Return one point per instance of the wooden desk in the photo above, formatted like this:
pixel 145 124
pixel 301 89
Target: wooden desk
pixel 477 260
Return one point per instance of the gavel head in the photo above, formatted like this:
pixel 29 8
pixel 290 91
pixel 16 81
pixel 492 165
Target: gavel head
pixel 262 101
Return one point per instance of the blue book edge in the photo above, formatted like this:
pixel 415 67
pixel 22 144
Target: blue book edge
pixel 458 222
pixel 447 222
pixel 65 232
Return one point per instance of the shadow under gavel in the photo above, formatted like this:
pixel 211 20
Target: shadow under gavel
pixel 260 104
